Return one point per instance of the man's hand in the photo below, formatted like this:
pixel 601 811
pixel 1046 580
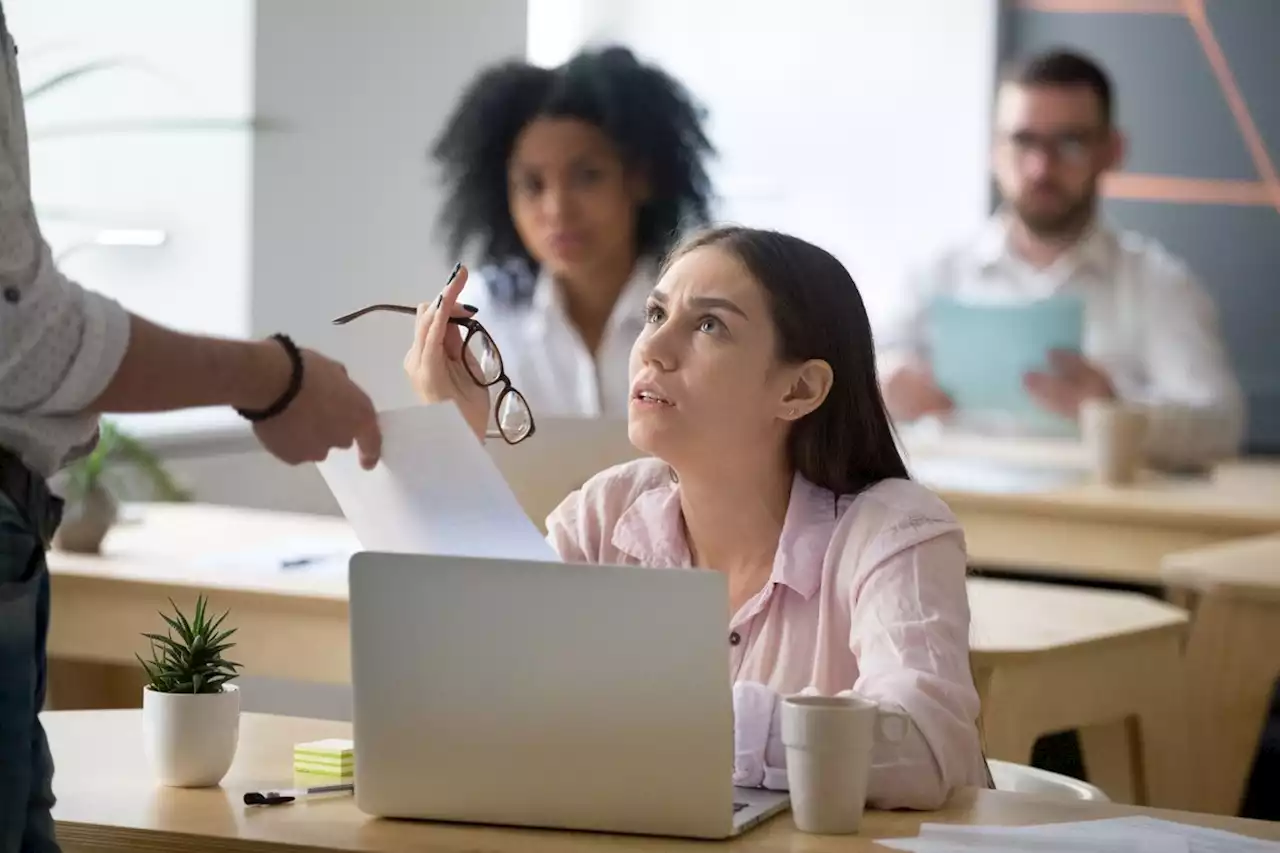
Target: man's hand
pixel 1069 384
pixel 329 412
pixel 911 393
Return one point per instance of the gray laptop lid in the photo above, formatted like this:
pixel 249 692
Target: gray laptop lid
pixel 542 694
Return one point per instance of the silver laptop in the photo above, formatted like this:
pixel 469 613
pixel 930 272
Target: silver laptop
pixel 544 694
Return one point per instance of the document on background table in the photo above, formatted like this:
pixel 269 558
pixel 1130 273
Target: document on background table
pixel 1138 833
pixel 309 553
pixel 435 491
pixel 980 352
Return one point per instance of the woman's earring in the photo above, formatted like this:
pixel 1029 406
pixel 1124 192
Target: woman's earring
pixel 791 413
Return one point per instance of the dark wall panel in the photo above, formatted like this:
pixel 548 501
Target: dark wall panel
pixel 1175 112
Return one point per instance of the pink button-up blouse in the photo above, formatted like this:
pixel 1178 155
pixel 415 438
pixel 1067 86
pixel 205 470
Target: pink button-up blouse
pixel 867 594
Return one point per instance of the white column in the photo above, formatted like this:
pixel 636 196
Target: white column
pixel 344 196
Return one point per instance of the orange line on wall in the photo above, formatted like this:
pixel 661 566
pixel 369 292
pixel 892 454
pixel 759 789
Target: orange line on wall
pixel 1122 7
pixel 1136 187
pixel 1199 19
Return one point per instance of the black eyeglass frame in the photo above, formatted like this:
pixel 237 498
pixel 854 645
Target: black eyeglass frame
pixel 473 327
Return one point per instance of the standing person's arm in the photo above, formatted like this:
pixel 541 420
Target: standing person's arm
pixel 162 369
pixel 65 350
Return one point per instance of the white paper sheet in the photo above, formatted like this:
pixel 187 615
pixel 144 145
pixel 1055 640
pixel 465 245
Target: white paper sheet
pixel 1199 839
pixel 435 491
pixel 945 838
pixel 1138 833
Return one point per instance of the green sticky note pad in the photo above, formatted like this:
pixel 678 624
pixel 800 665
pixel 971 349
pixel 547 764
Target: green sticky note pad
pixel 329 751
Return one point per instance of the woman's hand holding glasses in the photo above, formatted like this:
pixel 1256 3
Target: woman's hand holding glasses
pixel 453 358
pixel 437 361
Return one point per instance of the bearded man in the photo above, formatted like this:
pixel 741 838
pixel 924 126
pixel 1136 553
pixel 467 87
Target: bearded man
pixel 1151 335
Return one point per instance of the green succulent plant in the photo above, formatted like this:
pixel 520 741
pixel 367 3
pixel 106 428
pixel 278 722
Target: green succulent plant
pixel 192 661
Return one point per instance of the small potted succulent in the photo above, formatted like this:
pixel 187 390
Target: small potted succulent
pixel 91 488
pixel 190 710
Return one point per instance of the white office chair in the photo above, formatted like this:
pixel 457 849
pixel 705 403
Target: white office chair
pixel 1032 780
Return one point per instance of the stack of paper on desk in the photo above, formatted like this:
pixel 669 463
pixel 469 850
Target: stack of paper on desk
pixel 435 491
pixel 1140 834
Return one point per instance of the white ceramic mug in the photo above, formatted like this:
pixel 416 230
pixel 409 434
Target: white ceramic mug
pixel 829 741
pixel 1113 432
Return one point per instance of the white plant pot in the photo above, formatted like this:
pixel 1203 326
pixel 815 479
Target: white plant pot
pixel 191 738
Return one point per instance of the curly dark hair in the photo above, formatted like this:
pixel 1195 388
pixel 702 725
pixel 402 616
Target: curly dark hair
pixel 649 115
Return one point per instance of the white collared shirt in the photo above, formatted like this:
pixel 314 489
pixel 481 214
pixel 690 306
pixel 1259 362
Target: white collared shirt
pixel 1148 323
pixel 545 357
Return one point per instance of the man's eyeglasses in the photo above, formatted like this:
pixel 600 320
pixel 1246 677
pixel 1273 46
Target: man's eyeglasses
pixel 484 364
pixel 1071 147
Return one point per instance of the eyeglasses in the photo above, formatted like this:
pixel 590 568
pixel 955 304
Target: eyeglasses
pixel 1072 147
pixel 484 364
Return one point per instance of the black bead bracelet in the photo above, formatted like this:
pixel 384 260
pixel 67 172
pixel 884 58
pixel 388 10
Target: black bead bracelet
pixel 290 392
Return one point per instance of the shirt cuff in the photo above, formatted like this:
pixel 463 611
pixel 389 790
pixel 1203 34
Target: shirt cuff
pixel 104 339
pixel 759 756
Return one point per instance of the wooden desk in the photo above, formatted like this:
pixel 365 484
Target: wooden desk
pixel 107 801
pixel 1049 658
pixel 1232 660
pixel 1090 530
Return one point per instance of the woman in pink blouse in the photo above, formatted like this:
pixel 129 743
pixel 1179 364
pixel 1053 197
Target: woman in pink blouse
pixel 754 389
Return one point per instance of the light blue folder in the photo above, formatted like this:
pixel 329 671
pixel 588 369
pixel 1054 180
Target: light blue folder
pixel 981 352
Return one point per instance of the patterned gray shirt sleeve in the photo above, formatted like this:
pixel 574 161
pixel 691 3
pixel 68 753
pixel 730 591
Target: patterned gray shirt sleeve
pixel 59 344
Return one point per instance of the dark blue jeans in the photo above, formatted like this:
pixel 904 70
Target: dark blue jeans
pixel 26 767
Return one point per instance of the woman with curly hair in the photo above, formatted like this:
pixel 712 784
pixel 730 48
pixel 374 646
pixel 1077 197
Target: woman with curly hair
pixel 570 184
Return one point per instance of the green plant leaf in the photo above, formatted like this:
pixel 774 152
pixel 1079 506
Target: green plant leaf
pixel 165 641
pixel 182 632
pixel 187 634
pixel 71 75
pixel 217 623
pixel 114 449
pixel 153 674
pixel 221 638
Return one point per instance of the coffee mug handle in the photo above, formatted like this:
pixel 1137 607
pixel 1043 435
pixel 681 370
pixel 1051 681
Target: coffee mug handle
pixel 892 725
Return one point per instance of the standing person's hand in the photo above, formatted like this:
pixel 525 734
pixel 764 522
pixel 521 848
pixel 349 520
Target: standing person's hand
pixel 330 411
pixel 437 362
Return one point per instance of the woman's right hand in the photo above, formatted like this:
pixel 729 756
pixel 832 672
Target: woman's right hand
pixel 435 363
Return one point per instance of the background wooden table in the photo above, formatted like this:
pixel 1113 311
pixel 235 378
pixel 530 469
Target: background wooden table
pixel 102 603
pixel 1232 658
pixel 1088 530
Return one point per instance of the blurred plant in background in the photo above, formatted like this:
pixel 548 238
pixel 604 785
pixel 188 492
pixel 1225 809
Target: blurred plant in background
pixel 100 233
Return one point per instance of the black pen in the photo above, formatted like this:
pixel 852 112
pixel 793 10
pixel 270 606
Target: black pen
pixel 299 562
pixel 288 795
